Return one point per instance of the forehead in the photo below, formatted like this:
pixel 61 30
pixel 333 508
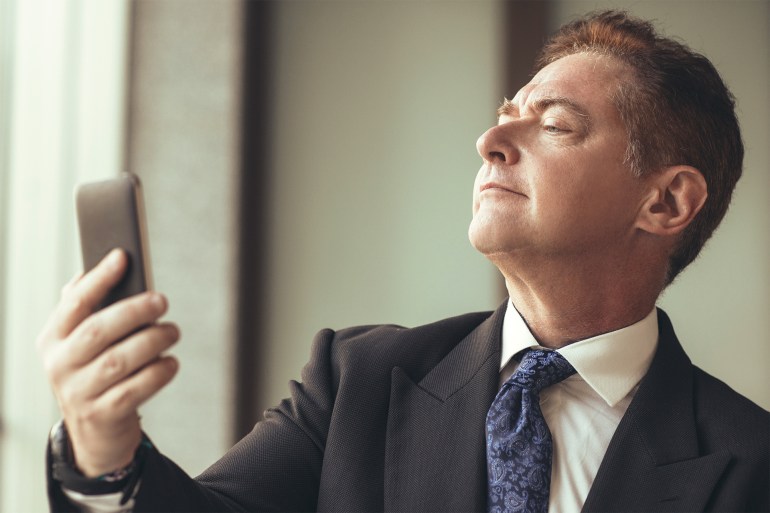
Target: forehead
pixel 589 79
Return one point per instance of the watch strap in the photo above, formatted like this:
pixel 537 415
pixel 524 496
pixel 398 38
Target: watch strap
pixel 65 471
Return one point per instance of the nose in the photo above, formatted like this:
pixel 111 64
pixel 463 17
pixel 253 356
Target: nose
pixel 496 145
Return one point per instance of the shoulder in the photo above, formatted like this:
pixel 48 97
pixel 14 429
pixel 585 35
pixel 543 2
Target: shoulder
pixel 348 375
pixel 394 336
pixel 723 419
pixel 729 422
pixel 725 415
pixel 369 348
pixel 718 409
pixel 366 355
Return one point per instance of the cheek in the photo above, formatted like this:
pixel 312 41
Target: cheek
pixel 556 189
pixel 579 192
pixel 605 201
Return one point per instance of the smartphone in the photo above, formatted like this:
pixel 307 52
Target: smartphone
pixel 111 215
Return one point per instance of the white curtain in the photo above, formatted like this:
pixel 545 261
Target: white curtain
pixel 62 89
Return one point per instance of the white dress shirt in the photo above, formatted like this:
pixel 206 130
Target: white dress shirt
pixel 583 411
pixel 106 503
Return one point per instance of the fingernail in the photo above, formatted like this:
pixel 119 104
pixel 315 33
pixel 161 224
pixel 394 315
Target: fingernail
pixel 173 331
pixel 158 301
pixel 113 259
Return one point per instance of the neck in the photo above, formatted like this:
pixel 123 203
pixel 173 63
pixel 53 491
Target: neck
pixel 565 304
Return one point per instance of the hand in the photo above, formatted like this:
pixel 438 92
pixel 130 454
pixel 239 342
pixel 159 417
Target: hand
pixel 102 365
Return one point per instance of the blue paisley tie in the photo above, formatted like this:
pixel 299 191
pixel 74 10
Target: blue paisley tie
pixel 519 447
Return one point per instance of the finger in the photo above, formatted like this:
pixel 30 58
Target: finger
pixel 86 293
pixel 68 286
pixel 125 358
pixel 124 398
pixel 104 328
pixel 50 333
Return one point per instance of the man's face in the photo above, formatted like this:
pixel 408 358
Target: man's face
pixel 553 181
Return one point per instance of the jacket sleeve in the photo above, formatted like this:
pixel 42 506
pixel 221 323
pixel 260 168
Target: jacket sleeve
pixel 276 467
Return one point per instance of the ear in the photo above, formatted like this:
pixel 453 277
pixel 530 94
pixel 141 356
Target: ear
pixel 676 195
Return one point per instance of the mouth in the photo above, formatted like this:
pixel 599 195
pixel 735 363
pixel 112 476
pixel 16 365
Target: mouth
pixel 496 187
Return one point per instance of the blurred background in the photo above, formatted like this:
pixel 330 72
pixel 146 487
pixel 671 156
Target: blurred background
pixel 308 164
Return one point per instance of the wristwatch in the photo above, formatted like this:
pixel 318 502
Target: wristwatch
pixel 65 471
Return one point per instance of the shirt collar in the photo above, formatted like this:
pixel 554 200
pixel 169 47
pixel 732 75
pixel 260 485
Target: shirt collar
pixel 611 363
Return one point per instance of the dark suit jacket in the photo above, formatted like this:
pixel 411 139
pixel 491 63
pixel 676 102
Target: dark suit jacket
pixel 388 418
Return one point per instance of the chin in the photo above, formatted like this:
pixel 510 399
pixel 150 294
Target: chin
pixel 488 239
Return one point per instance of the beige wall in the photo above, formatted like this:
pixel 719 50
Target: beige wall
pixel 720 305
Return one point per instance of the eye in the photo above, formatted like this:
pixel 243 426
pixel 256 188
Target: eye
pixel 554 126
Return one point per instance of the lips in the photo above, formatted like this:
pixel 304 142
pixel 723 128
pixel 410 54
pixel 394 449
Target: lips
pixel 494 186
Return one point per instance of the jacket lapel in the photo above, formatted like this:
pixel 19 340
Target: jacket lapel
pixel 653 462
pixel 435 449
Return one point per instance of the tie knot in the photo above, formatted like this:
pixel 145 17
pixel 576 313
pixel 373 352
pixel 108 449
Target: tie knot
pixel 540 369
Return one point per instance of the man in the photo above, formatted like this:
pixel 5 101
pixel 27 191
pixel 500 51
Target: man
pixel 601 181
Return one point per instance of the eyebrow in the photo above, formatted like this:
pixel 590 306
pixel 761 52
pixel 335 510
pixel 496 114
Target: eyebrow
pixel 545 102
